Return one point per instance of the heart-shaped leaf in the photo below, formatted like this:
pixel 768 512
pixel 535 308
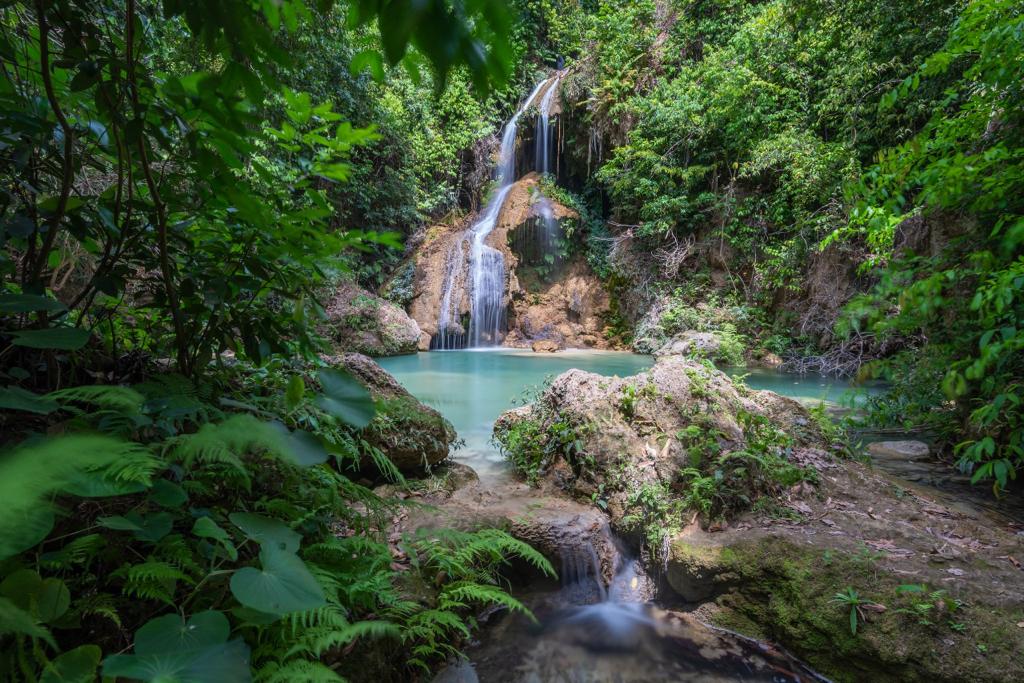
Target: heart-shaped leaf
pixel 150 528
pixel 74 666
pixel 266 531
pixel 170 633
pixel 25 303
pixel 283 585
pixel 168 494
pixel 60 338
pixel 207 528
pixel 16 398
pixel 222 663
pixel 345 398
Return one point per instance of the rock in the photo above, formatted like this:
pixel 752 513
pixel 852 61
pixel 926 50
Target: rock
pixel 692 344
pixel 626 439
pixel 904 450
pixel 412 435
pixel 776 578
pixel 361 322
pixel 424 342
pixel 544 346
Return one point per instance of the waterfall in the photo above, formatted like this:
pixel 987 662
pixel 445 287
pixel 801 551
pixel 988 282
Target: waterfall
pixel 486 264
pixel 543 136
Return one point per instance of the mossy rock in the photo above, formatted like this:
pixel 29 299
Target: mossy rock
pixel 768 586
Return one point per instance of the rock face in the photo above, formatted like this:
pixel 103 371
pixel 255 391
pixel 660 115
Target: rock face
pixel 562 302
pixel 361 322
pixel 776 578
pixel 413 436
pixel 625 441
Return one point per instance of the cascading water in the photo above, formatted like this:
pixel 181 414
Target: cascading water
pixel 596 630
pixel 543 136
pixel 486 264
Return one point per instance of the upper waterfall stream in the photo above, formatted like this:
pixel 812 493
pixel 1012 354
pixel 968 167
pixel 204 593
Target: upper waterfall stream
pixel 486 277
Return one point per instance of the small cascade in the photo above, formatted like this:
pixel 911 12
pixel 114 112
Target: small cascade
pixel 543 135
pixel 486 264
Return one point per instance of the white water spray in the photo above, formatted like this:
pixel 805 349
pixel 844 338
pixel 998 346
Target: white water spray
pixel 486 264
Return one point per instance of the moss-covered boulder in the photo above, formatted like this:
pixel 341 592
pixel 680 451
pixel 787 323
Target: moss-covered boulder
pixel 360 322
pixel 649 446
pixel 412 435
pixel 934 592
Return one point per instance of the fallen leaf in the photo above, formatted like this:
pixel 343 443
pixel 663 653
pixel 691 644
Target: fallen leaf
pixel 956 572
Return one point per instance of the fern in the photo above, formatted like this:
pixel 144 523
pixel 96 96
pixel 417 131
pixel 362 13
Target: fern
pixel 80 551
pixel 464 592
pixel 152 580
pixel 113 398
pixel 296 670
pixel 316 641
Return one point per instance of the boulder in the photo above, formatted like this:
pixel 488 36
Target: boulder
pixel 776 577
pixel 625 441
pixel 362 322
pixel 545 346
pixel 692 344
pixel 412 435
pixel 901 450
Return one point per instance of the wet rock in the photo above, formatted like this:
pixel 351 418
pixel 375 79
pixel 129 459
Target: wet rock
pixel 412 435
pixel 545 346
pixel 361 322
pixel 904 450
pixel 692 344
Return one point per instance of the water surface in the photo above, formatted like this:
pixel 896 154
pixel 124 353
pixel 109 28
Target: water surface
pixel 472 388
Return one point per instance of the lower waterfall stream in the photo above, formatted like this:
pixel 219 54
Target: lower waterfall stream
pixel 601 622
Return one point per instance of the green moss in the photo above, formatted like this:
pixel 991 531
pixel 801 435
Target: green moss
pixel 783 592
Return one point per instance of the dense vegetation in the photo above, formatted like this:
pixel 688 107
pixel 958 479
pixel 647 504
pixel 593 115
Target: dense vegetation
pixel 182 183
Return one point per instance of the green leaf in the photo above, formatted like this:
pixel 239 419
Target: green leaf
pixel 345 398
pixel 222 663
pixel 368 60
pixel 24 528
pixel 168 494
pixel 25 303
pixel 170 633
pixel 15 620
pixel 61 338
pixel 205 527
pixel 16 398
pixel 295 392
pixel 283 585
pixel 149 528
pixel 53 600
pixel 74 666
pixel 268 532
pixel 100 485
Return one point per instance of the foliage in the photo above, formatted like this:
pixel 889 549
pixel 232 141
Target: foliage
pixel 960 178
pixel 231 519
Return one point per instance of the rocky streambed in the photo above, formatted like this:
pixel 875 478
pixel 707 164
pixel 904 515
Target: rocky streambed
pixel 732 508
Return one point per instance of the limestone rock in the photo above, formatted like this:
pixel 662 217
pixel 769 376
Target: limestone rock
pixel 903 450
pixel 362 322
pixel 412 435
pixel 691 343
pixel 545 346
pixel 636 433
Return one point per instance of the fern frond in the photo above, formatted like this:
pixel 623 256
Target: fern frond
pixel 152 580
pixel 296 670
pixel 113 398
pixel 80 551
pixel 465 592
pixel 316 642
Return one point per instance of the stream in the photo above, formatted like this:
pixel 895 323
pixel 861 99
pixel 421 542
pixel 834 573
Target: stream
pixel 586 630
